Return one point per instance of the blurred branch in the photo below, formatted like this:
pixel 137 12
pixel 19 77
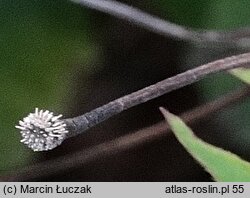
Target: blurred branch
pixel 239 37
pixel 124 143
pixel 81 123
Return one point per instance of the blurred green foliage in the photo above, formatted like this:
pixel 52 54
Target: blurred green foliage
pixel 229 14
pixel 189 13
pixel 218 15
pixel 42 40
pixel 208 14
pixel 39 43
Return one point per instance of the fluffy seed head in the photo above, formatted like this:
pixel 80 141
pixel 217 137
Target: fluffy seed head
pixel 42 131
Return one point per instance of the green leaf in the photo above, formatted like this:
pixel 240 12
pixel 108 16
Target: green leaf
pixel 222 165
pixel 241 73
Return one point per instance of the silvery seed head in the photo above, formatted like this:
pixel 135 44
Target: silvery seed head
pixel 42 131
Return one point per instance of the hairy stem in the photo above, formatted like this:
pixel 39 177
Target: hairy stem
pixel 81 123
pixel 124 143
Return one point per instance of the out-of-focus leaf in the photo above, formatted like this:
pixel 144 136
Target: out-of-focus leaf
pixel 221 164
pixel 242 73
pixel 42 44
pixel 184 12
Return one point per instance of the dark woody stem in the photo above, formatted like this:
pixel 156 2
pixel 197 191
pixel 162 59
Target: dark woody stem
pixel 124 143
pixel 81 123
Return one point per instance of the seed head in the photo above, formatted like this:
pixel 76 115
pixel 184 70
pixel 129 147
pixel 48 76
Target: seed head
pixel 42 131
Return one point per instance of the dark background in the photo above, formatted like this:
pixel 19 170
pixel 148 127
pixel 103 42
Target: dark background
pixel 59 56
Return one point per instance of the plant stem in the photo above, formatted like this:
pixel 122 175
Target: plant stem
pixel 239 37
pixel 124 143
pixel 81 123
